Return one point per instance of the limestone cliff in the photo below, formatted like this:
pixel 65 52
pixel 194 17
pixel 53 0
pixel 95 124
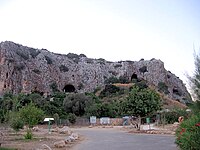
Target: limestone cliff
pixel 25 69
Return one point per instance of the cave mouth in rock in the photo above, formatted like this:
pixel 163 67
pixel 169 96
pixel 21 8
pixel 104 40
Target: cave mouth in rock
pixel 134 77
pixel 69 88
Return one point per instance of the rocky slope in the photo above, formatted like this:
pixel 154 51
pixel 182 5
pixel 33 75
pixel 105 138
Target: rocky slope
pixel 25 69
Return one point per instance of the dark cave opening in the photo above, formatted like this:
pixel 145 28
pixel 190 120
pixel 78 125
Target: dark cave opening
pixel 69 88
pixel 134 77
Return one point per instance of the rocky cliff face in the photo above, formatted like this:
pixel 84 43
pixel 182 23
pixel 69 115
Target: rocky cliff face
pixel 25 69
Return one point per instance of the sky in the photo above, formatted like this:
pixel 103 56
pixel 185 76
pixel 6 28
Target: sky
pixel 115 30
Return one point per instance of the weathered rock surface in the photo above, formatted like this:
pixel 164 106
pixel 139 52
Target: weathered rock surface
pixel 25 69
pixel 59 144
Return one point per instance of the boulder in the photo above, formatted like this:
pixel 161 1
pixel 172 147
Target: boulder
pixel 59 144
pixel 65 130
pixel 75 136
pixel 36 129
pixel 69 139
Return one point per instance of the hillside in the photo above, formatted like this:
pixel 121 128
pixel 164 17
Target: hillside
pixel 25 69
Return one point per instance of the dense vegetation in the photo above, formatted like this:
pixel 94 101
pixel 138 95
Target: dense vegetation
pixel 188 132
pixel 112 101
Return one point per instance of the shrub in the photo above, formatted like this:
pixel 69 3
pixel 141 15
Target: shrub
pixel 23 55
pixel 117 66
pixel 54 87
pixel 48 59
pixel 123 79
pixel 188 133
pixel 173 115
pixel 31 115
pixel 72 118
pixel 28 135
pixel 177 92
pixel 109 90
pixel 141 84
pixel 63 68
pixel 34 52
pixel 162 87
pixel 101 61
pixel 16 122
pixel 74 57
pixel 143 69
pixel 111 80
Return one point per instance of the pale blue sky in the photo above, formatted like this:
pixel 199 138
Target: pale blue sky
pixel 112 29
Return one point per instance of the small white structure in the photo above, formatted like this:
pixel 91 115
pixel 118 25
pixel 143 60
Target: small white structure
pixel 105 120
pixel 48 119
pixel 93 120
pixel 49 123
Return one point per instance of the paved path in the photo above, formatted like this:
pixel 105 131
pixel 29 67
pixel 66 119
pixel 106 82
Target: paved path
pixel 115 139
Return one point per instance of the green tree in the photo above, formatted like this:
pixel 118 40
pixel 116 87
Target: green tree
pixel 31 115
pixel 141 102
pixel 76 103
pixel 6 105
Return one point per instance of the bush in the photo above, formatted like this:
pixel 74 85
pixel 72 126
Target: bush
pixel 74 57
pixel 72 118
pixel 123 79
pixel 188 133
pixel 141 84
pixel 172 116
pixel 63 68
pixel 16 122
pixel 110 90
pixel 31 115
pixel 34 52
pixel 111 80
pixel 48 59
pixel 28 135
pixel 162 87
pixel 143 69
pixel 23 55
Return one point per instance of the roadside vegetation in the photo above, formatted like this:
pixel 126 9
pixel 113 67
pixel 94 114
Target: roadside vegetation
pixel 188 133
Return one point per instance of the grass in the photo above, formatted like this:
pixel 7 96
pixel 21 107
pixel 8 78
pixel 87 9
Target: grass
pixel 2 148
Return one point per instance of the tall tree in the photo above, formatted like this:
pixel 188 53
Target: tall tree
pixel 195 79
pixel 195 84
pixel 141 102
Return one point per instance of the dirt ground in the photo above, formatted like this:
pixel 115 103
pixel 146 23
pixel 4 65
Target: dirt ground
pixel 11 139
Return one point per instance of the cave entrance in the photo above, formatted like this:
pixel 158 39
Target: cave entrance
pixel 134 77
pixel 69 88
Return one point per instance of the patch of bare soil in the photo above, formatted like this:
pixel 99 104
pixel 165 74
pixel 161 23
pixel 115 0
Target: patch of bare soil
pixel 41 140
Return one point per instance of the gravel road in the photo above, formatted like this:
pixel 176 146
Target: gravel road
pixel 115 139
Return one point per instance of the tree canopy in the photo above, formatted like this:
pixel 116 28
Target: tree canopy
pixel 141 102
